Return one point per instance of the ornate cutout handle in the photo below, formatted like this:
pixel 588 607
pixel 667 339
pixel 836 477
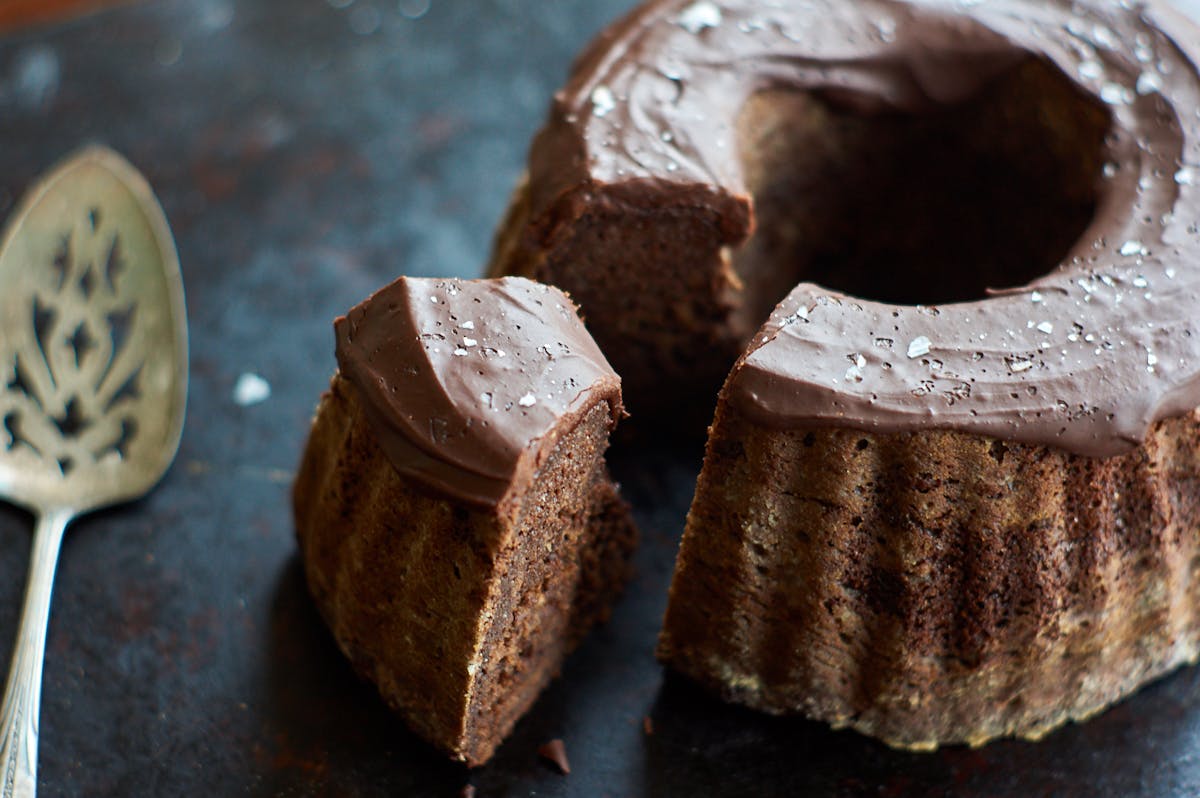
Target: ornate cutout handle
pixel 23 693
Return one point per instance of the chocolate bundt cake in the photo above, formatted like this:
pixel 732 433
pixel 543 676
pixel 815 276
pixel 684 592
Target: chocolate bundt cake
pixel 458 528
pixel 951 488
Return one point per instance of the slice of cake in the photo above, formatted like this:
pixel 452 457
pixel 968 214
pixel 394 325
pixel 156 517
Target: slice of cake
pixel 458 527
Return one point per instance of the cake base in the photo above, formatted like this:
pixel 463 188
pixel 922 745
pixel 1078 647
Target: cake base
pixel 937 587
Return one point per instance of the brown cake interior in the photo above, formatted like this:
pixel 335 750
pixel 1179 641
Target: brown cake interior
pixel 460 616
pixel 565 561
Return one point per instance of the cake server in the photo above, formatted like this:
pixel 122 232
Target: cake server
pixel 93 383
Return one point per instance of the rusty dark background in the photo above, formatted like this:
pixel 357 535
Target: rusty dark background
pixel 306 152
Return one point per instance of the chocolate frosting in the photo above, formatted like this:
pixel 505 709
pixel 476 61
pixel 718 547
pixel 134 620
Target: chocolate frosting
pixel 468 384
pixel 1085 358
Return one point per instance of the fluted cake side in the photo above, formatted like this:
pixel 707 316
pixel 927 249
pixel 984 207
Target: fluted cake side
pixel 457 523
pixel 935 587
pixel 459 616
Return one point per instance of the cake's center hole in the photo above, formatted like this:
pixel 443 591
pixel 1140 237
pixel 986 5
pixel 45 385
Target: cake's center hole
pixel 923 208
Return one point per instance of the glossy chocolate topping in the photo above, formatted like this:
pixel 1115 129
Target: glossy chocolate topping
pixel 1085 358
pixel 469 383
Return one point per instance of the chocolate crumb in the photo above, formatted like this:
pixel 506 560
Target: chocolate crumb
pixel 648 725
pixel 555 753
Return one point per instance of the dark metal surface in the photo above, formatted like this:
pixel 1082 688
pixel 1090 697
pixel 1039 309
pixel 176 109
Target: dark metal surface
pixel 305 154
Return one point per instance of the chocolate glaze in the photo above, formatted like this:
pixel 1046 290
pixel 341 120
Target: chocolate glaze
pixel 469 383
pixel 1084 358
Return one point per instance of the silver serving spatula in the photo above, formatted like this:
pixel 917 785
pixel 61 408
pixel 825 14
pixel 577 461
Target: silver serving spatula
pixel 93 383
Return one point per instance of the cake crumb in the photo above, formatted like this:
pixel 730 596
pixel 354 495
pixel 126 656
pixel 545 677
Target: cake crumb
pixel 648 725
pixel 468 791
pixel 555 753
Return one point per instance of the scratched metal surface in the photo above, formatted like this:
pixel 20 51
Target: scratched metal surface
pixel 306 153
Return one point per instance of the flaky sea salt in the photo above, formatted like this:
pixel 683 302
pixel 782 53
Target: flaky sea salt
pixel 1115 94
pixel 855 372
pixel 918 346
pixel 700 15
pixel 528 400
pixel 603 100
pixel 251 389
pixel 1148 82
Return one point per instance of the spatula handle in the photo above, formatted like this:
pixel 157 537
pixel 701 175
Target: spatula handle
pixel 23 693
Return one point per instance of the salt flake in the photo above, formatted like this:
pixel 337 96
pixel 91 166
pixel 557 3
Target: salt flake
pixel 528 400
pixel 1017 366
pixel 699 16
pixel 603 100
pixel 1115 94
pixel 1148 82
pixel 855 372
pixel 251 389
pixel 918 346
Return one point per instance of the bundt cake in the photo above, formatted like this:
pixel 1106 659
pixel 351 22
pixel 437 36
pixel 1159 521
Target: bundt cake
pixel 458 528
pixel 951 487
